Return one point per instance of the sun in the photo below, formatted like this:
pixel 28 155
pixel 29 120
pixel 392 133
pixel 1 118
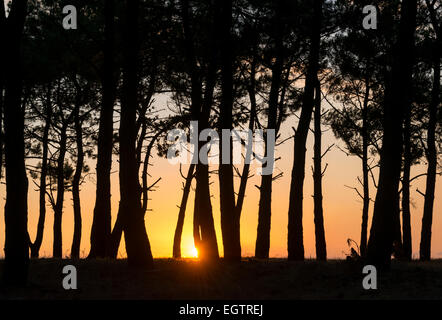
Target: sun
pixel 194 252
pixel 190 251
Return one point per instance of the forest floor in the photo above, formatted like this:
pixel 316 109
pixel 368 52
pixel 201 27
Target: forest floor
pixel 250 279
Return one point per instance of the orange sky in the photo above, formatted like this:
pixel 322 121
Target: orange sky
pixel 342 207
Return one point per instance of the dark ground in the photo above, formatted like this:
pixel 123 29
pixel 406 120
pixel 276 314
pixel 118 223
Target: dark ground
pixel 188 279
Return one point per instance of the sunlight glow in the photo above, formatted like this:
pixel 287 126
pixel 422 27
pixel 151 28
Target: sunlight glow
pixel 188 248
pixel 194 252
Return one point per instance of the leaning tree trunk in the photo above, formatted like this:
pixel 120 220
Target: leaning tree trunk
pixel 101 225
pixel 386 207
pixel 295 230
pixel 262 246
pixel 321 249
pixel 246 168
pixel 75 249
pixel 427 218
pixel 16 209
pixel 182 212
pixel 203 225
pixel 115 237
pixel 58 208
pixel 137 242
pixel 35 247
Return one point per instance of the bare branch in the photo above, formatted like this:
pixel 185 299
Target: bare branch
pixel 357 191
pixel 327 150
pixel 279 143
pixel 153 184
pixel 420 192
pixel 279 175
pixel 370 170
pixel 325 169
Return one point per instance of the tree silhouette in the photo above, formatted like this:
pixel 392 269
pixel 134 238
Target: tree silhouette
pixel 295 230
pixel 101 226
pixel 85 94
pixel 386 208
pixel 181 214
pixel 264 214
pixel 112 89
pixel 357 84
pixel 137 243
pixel 318 172
pixel 2 83
pixel 431 148
pixel 201 102
pixel 45 93
pixel 230 224
pixel 16 207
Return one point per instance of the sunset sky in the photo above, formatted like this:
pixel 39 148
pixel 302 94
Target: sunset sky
pixel 342 206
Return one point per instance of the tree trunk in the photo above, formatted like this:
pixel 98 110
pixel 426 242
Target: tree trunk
pixel 145 187
pixel 365 172
pixel 181 213
pixel 229 224
pixel 75 249
pixel 101 225
pixel 16 209
pixel 203 225
pixel 57 251
pixel 321 249
pixel 113 243
pixel 406 222
pixel 262 246
pixel 2 86
pixel 427 218
pixel 137 242
pixel 386 208
pixel 115 237
pixel 35 247
pixel 295 240
pixel 1 122
pixel 246 168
